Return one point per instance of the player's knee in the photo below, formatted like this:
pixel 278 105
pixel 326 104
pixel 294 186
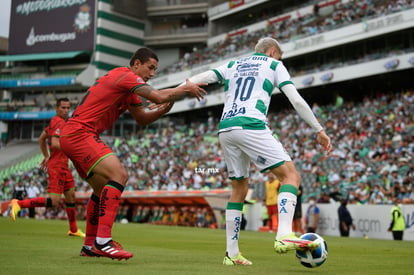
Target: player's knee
pixel 55 202
pixel 292 178
pixel 123 176
pixel 70 197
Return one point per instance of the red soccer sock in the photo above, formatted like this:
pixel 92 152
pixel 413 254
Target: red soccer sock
pixel 109 203
pixel 71 213
pixel 92 220
pixel 35 202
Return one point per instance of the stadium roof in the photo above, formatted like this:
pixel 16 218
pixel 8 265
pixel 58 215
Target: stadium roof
pixel 39 56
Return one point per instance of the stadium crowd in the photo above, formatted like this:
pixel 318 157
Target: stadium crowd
pixel 372 162
pixel 292 28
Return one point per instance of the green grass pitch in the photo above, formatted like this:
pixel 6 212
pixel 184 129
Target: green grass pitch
pixel 42 247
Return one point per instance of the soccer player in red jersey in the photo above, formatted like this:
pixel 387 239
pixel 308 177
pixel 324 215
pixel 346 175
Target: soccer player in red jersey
pixel 103 103
pixel 60 177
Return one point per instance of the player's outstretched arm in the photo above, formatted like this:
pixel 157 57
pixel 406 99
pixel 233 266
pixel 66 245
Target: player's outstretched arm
pixel 204 77
pixel 172 94
pixel 144 117
pixel 306 114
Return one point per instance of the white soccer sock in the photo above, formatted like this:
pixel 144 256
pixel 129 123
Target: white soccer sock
pixel 286 206
pixel 233 222
pixel 102 241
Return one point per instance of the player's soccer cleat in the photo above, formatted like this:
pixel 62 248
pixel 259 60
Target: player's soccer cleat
pixel 111 249
pixel 237 260
pixel 78 233
pixel 15 209
pixel 291 242
pixel 87 252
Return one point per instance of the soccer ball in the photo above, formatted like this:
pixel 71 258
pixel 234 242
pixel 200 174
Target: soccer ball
pixel 313 258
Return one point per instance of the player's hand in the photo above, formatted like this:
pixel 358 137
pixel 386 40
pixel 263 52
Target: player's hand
pixel 43 164
pixel 195 89
pixel 323 140
pixel 164 107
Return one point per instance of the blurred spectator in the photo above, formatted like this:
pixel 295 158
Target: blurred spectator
pixel 33 191
pixel 377 197
pixel 297 216
pixel 20 193
pixel 345 219
pixel 312 216
pixel 272 186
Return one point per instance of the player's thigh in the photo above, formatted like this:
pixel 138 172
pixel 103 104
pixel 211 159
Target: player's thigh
pixel 111 168
pixel 86 150
pixel 237 161
pixel 56 182
pixel 263 149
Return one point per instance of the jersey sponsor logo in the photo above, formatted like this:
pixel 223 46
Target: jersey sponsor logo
pixel 248 66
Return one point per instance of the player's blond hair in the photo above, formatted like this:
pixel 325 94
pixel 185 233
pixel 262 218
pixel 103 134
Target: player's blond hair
pixel 264 44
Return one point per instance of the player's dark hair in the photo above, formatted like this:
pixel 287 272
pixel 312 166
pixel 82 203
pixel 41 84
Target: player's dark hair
pixel 143 55
pixel 59 100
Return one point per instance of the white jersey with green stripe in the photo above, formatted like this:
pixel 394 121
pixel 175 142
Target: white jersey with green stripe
pixel 248 86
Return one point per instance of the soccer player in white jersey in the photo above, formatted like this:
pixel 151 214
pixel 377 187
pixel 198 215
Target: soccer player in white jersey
pixel 245 136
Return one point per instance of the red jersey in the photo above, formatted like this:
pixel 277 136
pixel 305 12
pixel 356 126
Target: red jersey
pixel 57 157
pixel 107 99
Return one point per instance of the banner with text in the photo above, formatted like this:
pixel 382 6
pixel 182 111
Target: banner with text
pixel 51 26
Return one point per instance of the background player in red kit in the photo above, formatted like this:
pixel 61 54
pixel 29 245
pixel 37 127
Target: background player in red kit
pixel 110 96
pixel 60 177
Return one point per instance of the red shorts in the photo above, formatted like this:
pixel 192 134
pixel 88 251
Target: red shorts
pixel 85 149
pixel 272 210
pixel 60 180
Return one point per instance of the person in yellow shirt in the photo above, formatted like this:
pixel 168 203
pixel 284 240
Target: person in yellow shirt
pixel 397 225
pixel 271 189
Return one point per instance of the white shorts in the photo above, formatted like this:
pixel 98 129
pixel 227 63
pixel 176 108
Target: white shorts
pixel 259 146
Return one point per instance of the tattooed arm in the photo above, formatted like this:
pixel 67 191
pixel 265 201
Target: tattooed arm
pixel 171 94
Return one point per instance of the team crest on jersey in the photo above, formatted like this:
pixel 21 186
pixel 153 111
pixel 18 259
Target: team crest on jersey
pixel 139 79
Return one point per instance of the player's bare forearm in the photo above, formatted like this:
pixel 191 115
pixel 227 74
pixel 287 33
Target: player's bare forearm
pixel 171 94
pixel 150 117
pixel 160 96
pixel 143 117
